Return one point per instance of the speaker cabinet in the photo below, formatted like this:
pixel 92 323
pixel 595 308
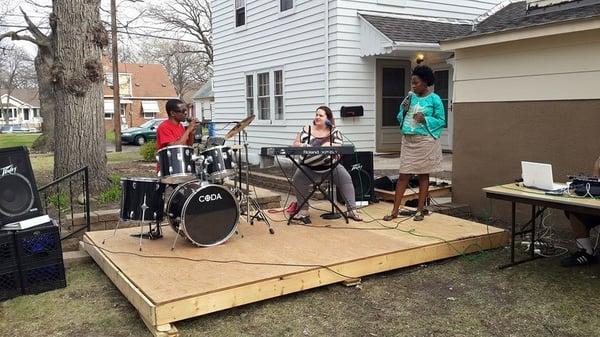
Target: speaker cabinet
pixel 360 167
pixel 19 198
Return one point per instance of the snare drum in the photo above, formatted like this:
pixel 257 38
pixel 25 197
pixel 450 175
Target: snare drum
pixel 175 164
pixel 206 215
pixel 217 163
pixel 142 199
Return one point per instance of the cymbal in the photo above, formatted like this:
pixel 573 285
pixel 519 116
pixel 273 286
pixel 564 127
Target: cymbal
pixel 240 126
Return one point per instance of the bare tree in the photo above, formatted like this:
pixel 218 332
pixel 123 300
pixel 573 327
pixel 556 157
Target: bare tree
pixel 191 17
pixel 186 69
pixel 44 65
pixel 70 77
pixel 15 72
pixel 79 37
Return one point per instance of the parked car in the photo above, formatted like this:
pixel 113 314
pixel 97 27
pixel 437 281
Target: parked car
pixel 142 134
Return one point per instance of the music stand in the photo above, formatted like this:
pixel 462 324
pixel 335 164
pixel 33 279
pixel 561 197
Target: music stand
pixel 331 215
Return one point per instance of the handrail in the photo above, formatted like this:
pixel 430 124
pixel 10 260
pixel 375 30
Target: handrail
pixel 85 171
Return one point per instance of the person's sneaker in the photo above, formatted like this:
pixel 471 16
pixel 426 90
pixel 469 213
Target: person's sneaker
pixel 419 216
pixel 579 258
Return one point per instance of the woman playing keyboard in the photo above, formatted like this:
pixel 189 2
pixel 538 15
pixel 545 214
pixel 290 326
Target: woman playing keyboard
pixel 322 132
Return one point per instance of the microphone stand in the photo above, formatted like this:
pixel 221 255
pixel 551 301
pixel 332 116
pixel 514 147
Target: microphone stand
pixel 331 215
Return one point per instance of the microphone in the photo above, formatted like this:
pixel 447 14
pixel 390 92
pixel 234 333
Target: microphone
pixel 328 123
pixel 405 101
pixel 407 98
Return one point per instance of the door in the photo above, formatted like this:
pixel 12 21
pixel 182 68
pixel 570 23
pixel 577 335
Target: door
pixel 392 84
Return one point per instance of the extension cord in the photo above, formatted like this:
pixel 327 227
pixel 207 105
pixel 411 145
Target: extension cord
pixel 536 244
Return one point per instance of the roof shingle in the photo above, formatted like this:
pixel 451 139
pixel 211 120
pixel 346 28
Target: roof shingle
pixel 423 31
pixel 515 16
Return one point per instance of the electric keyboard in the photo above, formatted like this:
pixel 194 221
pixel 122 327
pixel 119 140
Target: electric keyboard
pixel 306 151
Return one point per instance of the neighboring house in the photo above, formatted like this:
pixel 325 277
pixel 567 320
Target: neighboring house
pixel 144 91
pixel 204 101
pixel 23 108
pixel 526 87
pixel 281 59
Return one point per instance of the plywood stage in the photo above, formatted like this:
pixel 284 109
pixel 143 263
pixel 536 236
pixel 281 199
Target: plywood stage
pixel 167 286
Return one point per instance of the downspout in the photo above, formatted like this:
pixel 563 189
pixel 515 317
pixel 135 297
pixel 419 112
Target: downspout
pixel 327 52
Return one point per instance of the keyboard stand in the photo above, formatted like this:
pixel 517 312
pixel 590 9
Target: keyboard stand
pixel 316 186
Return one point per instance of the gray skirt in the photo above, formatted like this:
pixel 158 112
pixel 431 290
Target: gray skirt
pixel 420 155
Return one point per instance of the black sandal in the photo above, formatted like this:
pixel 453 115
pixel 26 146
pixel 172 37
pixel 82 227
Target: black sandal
pixel 390 217
pixel 352 214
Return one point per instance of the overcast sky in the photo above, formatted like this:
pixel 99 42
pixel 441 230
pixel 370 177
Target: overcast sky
pixel 126 11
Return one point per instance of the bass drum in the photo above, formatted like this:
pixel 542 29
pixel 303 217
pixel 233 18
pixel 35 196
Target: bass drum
pixel 207 215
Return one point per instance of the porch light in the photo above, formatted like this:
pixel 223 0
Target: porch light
pixel 420 58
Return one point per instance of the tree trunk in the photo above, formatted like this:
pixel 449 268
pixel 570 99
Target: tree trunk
pixel 43 68
pixel 77 39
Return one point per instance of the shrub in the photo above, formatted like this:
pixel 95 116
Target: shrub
pixel 148 151
pixel 113 193
pixel 59 200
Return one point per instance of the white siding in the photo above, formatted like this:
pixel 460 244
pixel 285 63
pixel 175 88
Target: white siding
pixel 352 78
pixel 295 42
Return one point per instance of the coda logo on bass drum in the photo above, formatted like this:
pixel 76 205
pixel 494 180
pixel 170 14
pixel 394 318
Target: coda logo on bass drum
pixel 210 197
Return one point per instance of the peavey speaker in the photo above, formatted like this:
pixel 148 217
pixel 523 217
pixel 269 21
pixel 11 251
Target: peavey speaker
pixel 19 198
pixel 360 167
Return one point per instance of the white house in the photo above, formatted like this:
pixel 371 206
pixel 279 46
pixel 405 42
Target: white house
pixel 21 108
pixel 280 59
pixel 204 100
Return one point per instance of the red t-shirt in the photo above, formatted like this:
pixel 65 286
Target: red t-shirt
pixel 168 132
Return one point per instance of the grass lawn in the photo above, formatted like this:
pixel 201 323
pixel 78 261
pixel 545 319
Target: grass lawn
pixel 466 296
pixel 17 139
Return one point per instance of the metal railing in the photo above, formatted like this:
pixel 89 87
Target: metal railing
pixel 55 200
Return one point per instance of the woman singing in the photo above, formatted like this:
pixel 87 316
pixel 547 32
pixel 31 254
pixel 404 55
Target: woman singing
pixel 422 120
pixel 318 134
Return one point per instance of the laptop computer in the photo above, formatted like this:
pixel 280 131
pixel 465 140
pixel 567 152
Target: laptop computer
pixel 539 175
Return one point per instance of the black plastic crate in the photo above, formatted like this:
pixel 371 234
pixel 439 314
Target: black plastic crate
pixel 38 243
pixel 8 252
pixel 43 276
pixel 10 283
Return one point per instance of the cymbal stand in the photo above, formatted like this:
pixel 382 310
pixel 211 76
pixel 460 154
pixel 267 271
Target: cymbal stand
pixel 250 201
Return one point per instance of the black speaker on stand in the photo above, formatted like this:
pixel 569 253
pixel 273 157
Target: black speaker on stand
pixel 360 167
pixel 19 197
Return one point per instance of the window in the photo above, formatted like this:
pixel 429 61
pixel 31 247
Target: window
pixel 9 113
pixel 264 106
pixel 240 12
pixel 109 109
pixel 26 114
pixel 284 5
pixel 441 88
pixel 278 94
pixel 250 95
pixel 264 95
pixel 393 94
pixel 150 109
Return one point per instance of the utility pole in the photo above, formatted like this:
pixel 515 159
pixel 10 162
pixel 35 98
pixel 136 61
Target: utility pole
pixel 115 71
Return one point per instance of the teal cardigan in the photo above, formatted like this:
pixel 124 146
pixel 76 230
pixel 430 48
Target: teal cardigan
pixel 432 108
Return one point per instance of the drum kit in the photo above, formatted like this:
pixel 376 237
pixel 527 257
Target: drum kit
pixel 201 207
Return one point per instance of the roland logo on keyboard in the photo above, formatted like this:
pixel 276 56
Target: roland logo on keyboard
pixel 210 197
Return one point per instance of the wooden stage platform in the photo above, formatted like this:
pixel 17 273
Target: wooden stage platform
pixel 167 286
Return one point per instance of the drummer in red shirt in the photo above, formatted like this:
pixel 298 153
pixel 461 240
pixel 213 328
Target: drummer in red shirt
pixel 171 131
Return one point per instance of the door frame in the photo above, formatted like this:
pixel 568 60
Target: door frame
pixel 381 63
pixel 448 133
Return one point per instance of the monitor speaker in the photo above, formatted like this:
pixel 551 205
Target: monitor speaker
pixel 360 167
pixel 19 198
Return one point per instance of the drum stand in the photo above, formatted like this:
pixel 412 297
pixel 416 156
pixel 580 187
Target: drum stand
pixel 151 234
pixel 245 195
